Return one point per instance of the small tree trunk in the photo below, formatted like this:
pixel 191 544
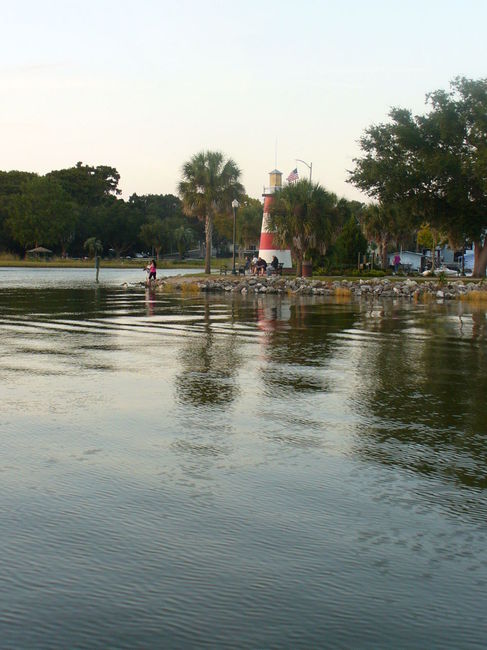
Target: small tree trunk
pixel 433 256
pixel 480 259
pixel 383 254
pixel 299 265
pixel 208 234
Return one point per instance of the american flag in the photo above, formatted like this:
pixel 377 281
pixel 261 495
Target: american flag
pixel 293 176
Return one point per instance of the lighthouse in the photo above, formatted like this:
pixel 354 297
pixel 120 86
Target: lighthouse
pixel 268 247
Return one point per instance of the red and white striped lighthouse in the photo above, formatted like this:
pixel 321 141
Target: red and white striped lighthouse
pixel 268 247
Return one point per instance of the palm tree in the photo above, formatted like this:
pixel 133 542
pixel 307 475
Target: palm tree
pixel 249 223
pixel 95 248
pixel 431 238
pixel 184 237
pixel 384 224
pixel 153 235
pixel 377 227
pixel 302 216
pixel 209 184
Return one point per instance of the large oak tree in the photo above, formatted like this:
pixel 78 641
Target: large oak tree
pixel 434 165
pixel 43 214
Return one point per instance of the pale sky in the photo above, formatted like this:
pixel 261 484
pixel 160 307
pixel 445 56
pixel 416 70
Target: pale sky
pixel 143 85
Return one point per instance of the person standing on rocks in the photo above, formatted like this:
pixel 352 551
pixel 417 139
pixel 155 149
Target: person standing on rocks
pixel 152 270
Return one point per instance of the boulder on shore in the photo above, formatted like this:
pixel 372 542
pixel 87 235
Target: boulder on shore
pixel 363 288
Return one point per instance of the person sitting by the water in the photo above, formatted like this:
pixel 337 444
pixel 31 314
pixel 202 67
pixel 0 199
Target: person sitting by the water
pixel 261 266
pixel 248 264
pixel 273 266
pixel 152 270
pixel 253 264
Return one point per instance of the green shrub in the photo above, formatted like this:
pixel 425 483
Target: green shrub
pixel 350 243
pixel 373 273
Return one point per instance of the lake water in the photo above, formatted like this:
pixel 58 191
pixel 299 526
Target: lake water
pixel 220 471
pixel 28 277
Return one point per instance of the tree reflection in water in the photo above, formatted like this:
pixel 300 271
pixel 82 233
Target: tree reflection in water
pixel 299 338
pixel 479 321
pixel 422 395
pixel 298 343
pixel 209 365
pixel 205 388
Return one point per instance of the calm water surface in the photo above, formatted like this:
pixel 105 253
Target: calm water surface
pixel 214 472
pixel 25 277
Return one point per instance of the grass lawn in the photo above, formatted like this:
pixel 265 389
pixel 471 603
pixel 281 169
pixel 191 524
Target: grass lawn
pixel 135 263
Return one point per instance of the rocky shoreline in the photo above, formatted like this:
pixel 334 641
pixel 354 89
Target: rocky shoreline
pixel 362 288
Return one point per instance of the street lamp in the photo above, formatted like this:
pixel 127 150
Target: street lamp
pixel 310 166
pixel 235 205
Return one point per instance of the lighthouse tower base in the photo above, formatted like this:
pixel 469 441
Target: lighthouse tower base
pixel 283 256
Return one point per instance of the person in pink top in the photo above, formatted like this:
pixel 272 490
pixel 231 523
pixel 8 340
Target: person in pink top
pixel 152 270
pixel 397 261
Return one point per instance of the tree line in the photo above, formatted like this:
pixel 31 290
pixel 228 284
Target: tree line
pixel 428 173
pixel 306 218
pixel 79 210
pixel 65 208
pixel 426 176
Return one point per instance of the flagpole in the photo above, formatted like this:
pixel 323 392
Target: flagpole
pixel 310 167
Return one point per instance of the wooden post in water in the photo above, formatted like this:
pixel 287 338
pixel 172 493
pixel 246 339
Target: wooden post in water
pixel 97 267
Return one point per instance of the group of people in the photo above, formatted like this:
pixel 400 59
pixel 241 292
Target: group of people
pixel 258 266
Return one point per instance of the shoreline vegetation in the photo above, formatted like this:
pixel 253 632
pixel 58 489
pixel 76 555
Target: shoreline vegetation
pixel 357 285
pixel 116 263
pixel 424 176
pixel 417 289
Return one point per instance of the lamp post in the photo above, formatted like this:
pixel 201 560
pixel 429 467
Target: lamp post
pixel 235 205
pixel 310 166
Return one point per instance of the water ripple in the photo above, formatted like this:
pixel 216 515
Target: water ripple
pixel 239 472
